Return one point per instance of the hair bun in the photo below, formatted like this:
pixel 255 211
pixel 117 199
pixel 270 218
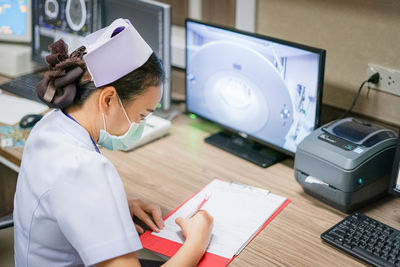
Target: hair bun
pixel 59 86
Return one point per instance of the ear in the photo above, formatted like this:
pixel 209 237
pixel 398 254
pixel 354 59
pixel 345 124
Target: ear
pixel 107 96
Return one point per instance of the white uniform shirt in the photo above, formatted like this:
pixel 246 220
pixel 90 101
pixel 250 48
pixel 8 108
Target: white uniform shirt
pixel 70 208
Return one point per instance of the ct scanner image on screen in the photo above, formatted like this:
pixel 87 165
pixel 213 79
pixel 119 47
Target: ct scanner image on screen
pixel 252 85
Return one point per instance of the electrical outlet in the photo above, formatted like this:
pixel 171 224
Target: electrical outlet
pixel 389 79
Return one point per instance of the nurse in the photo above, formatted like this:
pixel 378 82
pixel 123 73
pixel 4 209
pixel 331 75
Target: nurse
pixel 70 207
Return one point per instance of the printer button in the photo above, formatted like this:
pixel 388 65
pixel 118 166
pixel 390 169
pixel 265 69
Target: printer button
pixel 349 147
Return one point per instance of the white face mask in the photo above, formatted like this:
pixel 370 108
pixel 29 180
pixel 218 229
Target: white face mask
pixel 125 141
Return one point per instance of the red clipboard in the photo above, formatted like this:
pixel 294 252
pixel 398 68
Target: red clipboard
pixel 169 248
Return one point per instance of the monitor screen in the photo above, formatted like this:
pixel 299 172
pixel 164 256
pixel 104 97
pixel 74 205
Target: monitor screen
pixel 395 179
pixel 15 20
pixel 263 88
pixel 152 20
pixel 70 20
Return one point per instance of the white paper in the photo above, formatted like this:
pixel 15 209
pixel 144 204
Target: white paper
pixel 239 211
pixel 313 180
pixel 13 108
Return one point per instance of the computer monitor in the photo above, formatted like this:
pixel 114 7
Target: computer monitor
pixel 394 187
pixel 70 20
pixel 152 20
pixel 15 20
pixel 261 88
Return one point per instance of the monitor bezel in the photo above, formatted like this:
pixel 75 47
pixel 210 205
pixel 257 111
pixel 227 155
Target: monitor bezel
pixel 35 57
pixel 165 10
pixel 27 37
pixel 395 170
pixel 321 71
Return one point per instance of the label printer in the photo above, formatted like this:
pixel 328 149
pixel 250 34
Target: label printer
pixel 346 163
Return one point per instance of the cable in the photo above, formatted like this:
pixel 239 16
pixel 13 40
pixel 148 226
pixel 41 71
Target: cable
pixel 374 78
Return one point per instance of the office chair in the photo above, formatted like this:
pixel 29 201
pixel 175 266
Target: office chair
pixel 6 221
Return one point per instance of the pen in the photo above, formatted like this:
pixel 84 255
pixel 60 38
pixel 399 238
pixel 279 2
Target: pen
pixel 207 197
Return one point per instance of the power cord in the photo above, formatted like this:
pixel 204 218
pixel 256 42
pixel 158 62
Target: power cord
pixel 374 79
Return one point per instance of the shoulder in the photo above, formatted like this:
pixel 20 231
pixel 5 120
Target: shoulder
pixel 87 166
pixel 85 177
pixel 46 134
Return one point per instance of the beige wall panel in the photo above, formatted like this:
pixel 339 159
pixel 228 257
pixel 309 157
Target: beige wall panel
pixel 179 11
pixel 354 33
pixel 221 12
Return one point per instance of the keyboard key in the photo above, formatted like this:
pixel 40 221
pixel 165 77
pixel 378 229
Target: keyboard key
pixel 387 231
pixel 367 254
pixel 340 233
pixel 330 237
pixel 339 240
pixel 368 239
pixel 347 245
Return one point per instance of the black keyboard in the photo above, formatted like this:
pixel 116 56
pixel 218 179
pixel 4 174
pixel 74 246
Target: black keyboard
pixel 24 86
pixel 367 239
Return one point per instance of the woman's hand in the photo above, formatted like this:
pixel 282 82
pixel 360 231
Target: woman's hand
pixel 197 229
pixel 142 210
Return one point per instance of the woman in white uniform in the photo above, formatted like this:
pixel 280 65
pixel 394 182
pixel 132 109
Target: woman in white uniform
pixel 70 208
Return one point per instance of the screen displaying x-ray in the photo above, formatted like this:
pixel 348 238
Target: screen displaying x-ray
pixel 13 16
pixel 258 87
pixel 70 20
pixel 398 179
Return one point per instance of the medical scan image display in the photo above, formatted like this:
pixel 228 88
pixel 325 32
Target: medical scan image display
pixel 264 89
pixel 70 20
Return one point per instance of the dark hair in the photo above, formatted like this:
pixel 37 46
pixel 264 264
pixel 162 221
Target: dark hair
pixel 68 82
pixel 131 85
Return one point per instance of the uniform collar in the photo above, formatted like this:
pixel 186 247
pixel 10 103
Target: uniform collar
pixel 74 129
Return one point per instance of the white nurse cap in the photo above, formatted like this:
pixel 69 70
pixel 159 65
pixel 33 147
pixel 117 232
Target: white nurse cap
pixel 115 51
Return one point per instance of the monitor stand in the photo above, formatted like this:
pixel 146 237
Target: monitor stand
pixel 246 149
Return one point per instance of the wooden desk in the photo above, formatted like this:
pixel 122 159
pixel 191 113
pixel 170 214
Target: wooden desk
pixel 171 169
pixel 10 159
